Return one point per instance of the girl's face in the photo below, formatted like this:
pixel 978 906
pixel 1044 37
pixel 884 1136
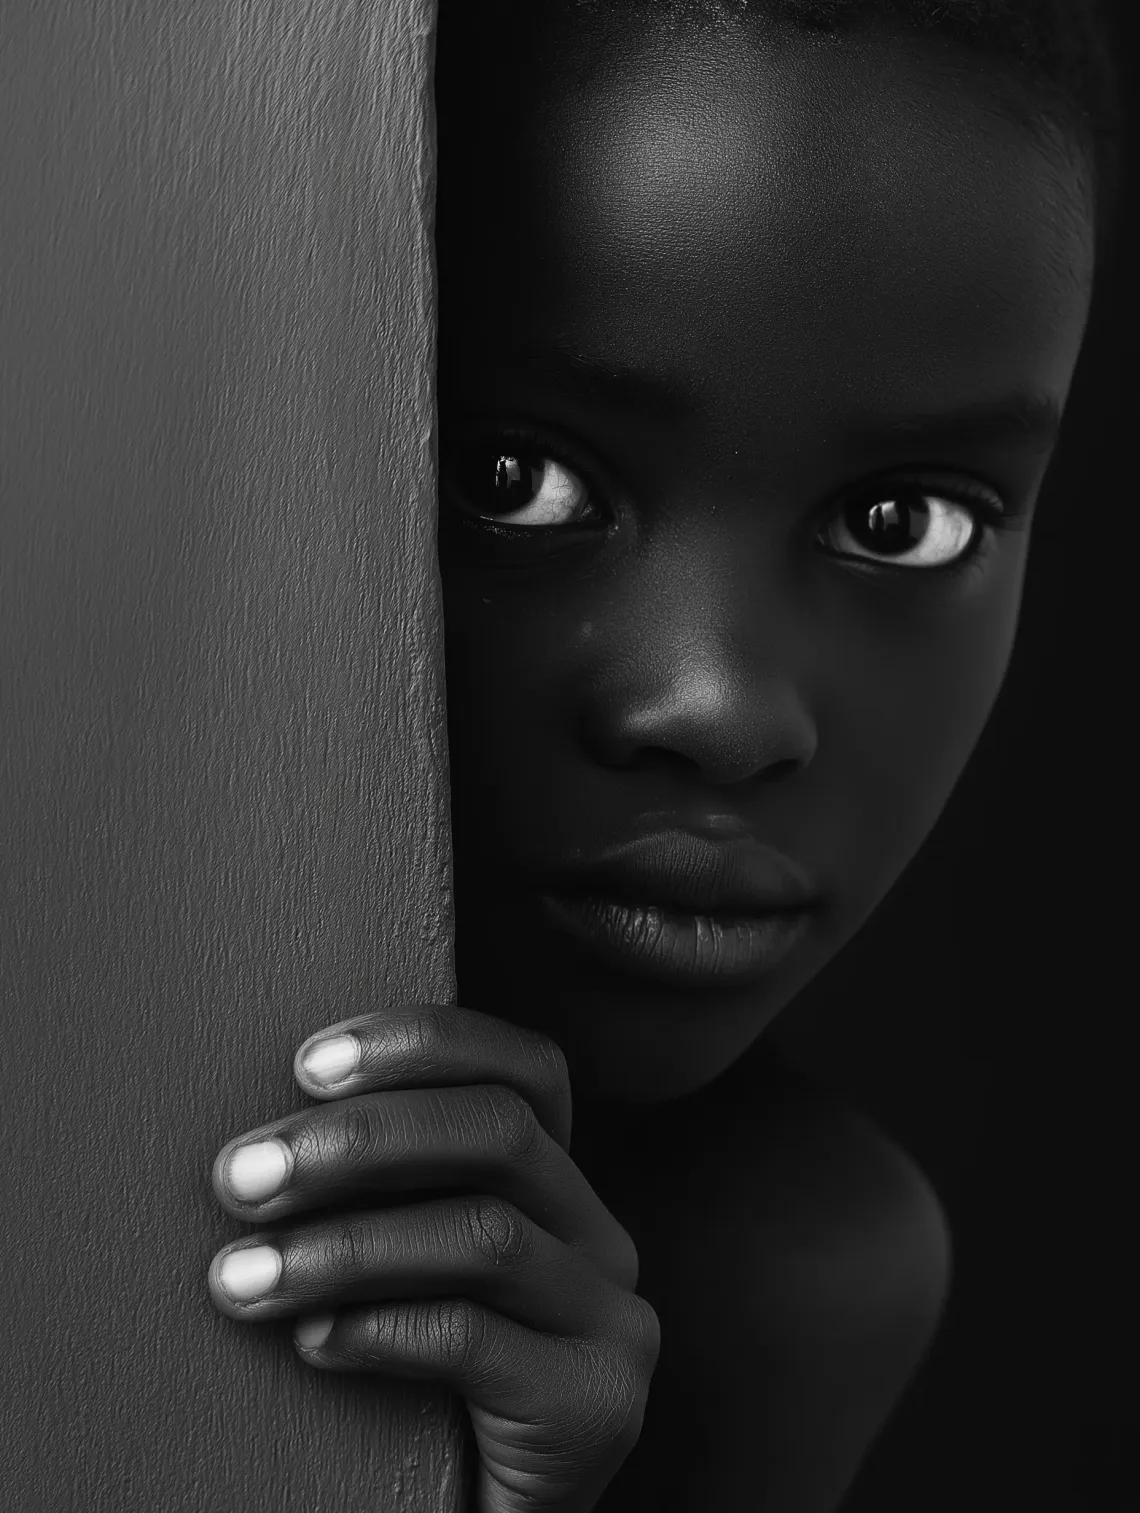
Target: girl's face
pixel 782 322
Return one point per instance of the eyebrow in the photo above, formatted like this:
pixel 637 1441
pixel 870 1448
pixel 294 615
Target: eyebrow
pixel 1029 416
pixel 631 386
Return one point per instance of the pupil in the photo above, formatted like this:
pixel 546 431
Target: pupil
pixel 508 485
pixel 895 523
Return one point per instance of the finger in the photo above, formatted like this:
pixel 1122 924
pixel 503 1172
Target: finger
pixel 433 1046
pixel 464 1139
pixel 588 1391
pixel 476 1247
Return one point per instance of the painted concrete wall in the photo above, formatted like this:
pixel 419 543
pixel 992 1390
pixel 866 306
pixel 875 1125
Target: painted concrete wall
pixel 223 763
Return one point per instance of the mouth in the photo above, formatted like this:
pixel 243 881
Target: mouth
pixel 674 947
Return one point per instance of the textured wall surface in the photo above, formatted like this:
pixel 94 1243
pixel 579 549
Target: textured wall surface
pixel 223 766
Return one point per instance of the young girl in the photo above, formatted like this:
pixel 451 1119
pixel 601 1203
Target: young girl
pixel 757 322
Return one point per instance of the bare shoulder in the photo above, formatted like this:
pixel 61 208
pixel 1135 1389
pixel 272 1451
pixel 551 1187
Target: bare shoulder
pixel 831 1184
pixel 836 1252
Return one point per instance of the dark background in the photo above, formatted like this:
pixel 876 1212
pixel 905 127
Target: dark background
pixel 983 1014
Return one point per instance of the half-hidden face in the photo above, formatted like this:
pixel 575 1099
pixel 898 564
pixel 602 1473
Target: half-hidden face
pixel 752 353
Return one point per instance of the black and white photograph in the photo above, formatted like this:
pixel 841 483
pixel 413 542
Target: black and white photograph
pixel 564 683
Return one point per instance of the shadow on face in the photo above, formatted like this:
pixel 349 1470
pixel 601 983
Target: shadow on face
pixel 752 351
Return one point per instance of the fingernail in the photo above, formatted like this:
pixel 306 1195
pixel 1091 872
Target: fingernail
pixel 255 1172
pixel 332 1059
pixel 246 1274
pixel 311 1334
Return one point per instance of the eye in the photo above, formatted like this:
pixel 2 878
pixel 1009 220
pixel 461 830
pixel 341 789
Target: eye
pixel 910 524
pixel 515 482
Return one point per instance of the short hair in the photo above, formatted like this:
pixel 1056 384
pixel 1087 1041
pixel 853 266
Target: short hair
pixel 1061 51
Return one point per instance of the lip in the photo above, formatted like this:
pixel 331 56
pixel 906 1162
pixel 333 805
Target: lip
pixel 684 910
pixel 680 951
pixel 686 873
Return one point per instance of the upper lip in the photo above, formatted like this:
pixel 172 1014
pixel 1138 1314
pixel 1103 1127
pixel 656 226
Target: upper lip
pixel 686 872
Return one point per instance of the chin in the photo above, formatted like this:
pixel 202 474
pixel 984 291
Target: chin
pixel 627 1041
pixel 646 1048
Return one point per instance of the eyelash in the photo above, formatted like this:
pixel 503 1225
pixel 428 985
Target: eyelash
pixel 992 514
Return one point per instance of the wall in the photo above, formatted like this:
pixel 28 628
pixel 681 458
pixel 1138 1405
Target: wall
pixel 223 791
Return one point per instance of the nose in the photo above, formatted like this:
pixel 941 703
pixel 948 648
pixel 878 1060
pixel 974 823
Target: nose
pixel 715 701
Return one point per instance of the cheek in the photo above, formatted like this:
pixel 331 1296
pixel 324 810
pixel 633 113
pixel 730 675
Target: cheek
pixel 511 654
pixel 903 714
pixel 898 683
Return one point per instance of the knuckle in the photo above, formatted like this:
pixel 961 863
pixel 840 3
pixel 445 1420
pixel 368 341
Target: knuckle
pixel 498 1233
pixel 453 1333
pixel 367 1338
pixel 350 1249
pixel 444 1334
pixel 626 1262
pixel 643 1330
pixel 516 1132
pixel 547 1071
pixel 371 1336
pixel 631 1347
pixel 425 1037
pixel 357 1135
pixel 558 1068
pixel 618 1397
pixel 550 1060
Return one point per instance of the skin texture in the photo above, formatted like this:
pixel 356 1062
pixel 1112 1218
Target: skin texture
pixel 797 248
pixel 801 256
pixel 497 1272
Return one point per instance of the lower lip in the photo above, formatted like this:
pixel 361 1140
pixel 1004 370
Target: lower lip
pixel 679 950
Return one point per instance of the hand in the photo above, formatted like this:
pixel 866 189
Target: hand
pixel 514 1289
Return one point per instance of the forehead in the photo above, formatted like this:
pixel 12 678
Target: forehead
pixel 802 213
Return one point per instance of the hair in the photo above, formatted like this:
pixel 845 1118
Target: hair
pixel 1062 52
